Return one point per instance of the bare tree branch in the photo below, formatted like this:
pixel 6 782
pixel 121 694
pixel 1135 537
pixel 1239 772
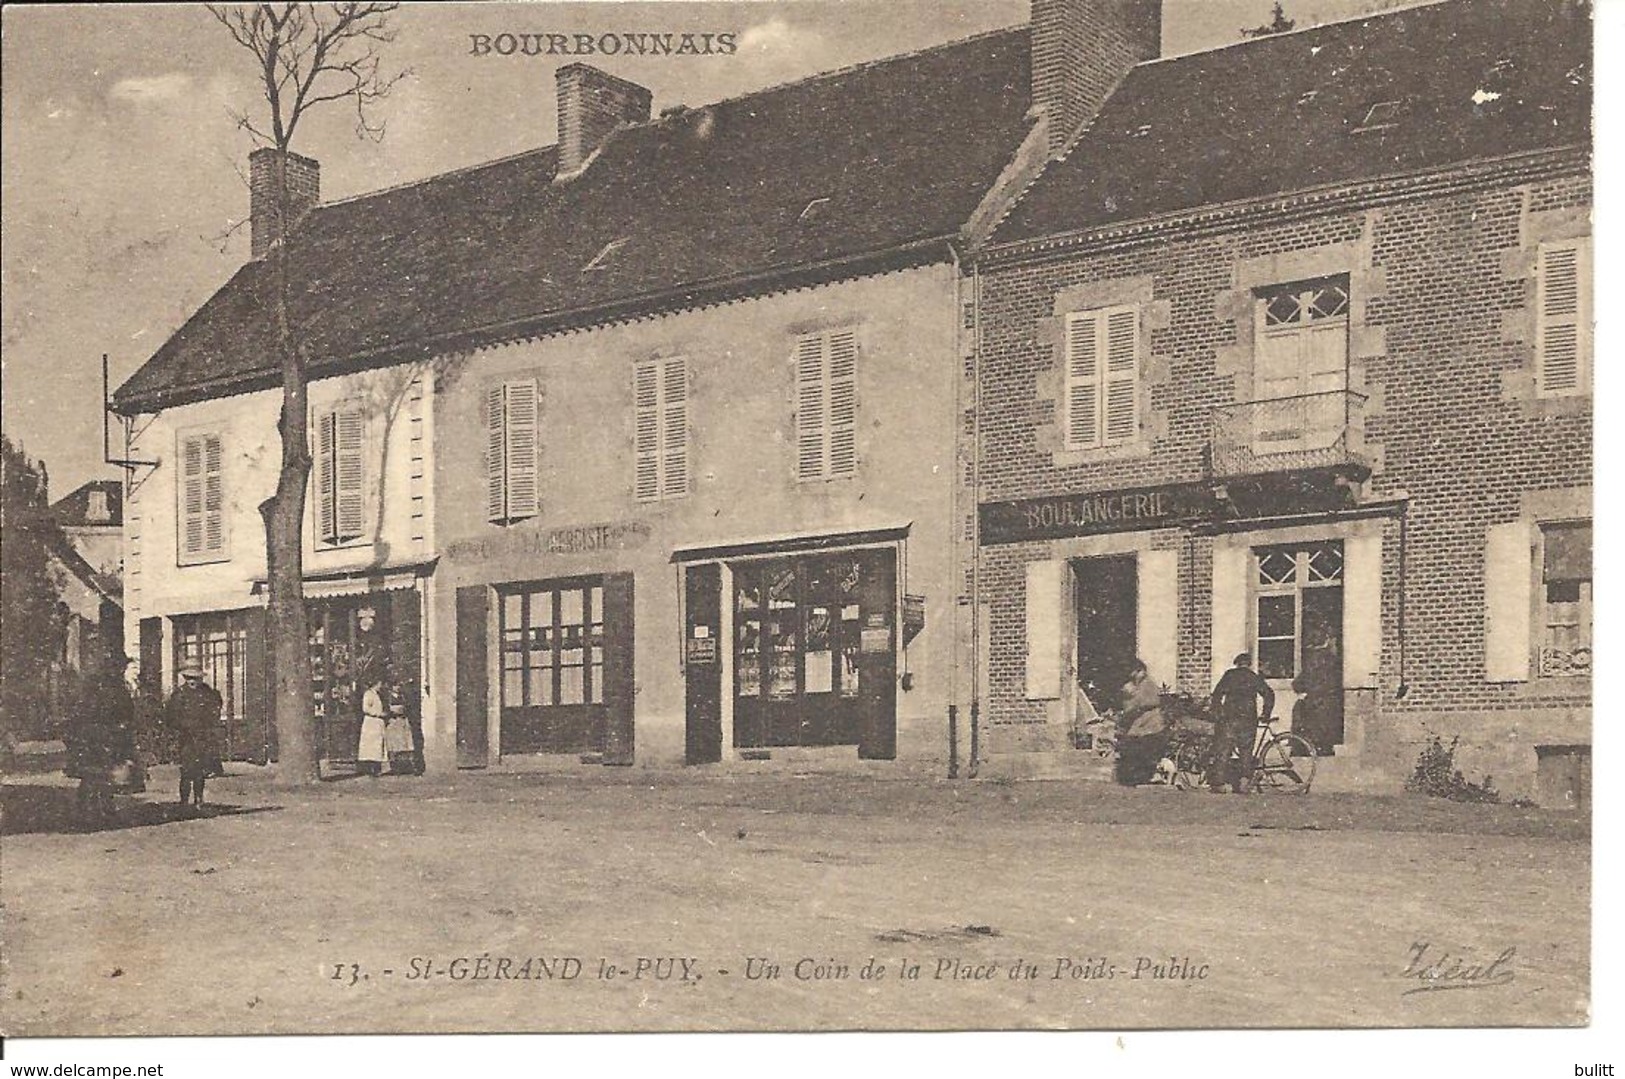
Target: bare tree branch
pixel 314 54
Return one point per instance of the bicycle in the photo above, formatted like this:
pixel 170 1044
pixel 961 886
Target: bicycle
pixel 1282 761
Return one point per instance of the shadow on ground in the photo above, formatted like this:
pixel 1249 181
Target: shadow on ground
pixel 36 809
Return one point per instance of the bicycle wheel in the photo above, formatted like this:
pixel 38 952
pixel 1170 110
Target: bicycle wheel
pixel 1287 764
pixel 1190 766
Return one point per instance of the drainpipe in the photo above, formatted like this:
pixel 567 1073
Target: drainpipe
pixel 1403 688
pixel 976 524
pixel 955 538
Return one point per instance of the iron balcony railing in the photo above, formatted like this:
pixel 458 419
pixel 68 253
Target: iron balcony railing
pixel 1310 430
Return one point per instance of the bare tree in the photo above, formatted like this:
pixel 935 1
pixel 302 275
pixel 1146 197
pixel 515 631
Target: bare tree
pixel 307 55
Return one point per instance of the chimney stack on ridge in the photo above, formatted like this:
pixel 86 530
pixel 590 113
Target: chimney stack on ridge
pixel 304 192
pixel 592 104
pixel 1081 51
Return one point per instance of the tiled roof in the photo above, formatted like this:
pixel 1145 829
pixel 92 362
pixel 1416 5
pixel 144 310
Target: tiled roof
pixel 1451 83
pixel 903 149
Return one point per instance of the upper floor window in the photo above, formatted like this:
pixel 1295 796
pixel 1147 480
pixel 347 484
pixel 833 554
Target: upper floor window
pixel 1302 339
pixel 826 405
pixel 1565 598
pixel 1563 318
pixel 1102 399
pixel 660 392
pixel 201 493
pixel 512 445
pixel 340 475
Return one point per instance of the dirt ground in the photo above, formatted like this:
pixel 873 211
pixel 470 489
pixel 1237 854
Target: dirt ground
pixel 502 903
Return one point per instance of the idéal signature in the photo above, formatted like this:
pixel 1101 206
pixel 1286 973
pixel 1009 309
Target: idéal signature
pixel 1436 969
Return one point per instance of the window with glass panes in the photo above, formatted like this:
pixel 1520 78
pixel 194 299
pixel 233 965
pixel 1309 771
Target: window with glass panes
pixel 1298 605
pixel 553 645
pixel 1565 597
pixel 1303 339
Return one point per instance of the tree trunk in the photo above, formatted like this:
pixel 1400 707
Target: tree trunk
pixel 284 516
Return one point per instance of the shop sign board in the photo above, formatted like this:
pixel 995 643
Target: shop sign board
pixel 1124 510
pixel 578 539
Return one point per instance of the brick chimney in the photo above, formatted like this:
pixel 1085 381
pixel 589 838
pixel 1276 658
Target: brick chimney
pixel 1081 51
pixel 593 103
pixel 304 192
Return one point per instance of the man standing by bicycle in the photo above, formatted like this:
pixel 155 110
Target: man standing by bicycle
pixel 1236 709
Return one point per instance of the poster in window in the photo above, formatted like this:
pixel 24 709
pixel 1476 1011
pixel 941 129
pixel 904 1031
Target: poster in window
pixel 817 629
pixel 849 671
pixel 820 671
pixel 748 655
pixel 782 671
pixel 782 592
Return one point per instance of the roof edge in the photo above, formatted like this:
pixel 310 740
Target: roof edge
pixel 1393 187
pixel 908 255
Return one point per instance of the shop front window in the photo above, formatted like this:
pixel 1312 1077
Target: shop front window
pixel 553 646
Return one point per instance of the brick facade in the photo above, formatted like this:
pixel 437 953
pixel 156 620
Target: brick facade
pixel 1441 348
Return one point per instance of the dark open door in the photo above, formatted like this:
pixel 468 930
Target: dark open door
pixel 152 658
pixel 877 657
pixel 620 682
pixel 702 662
pixel 1107 602
pixel 472 691
pixel 405 653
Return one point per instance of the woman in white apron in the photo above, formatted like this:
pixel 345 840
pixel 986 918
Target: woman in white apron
pixel 371 753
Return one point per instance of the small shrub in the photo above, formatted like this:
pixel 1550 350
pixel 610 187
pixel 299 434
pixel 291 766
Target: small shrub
pixel 1437 776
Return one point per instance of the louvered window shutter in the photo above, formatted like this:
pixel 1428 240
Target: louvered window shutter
pixel 674 428
pixel 646 436
pixel 202 497
pixel 326 470
pixel 496 463
pixel 349 493
pixel 192 496
pixel 843 403
pixel 1563 335
pixel 214 496
pixel 811 415
pixel 522 422
pixel 1083 369
pixel 1509 573
pixel 1122 382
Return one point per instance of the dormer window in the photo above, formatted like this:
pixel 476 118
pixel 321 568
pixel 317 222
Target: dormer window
pixel 813 210
pixel 601 260
pixel 1380 116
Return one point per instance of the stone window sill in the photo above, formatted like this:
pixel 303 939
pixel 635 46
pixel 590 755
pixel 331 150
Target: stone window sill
pixel 1128 451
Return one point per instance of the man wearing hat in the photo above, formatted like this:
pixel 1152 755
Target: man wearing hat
pixel 1235 706
pixel 193 714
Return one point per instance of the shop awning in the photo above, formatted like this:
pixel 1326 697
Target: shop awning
pixel 822 541
pixel 359 581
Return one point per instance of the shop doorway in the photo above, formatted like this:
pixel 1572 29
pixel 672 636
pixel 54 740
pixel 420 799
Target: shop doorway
pixel 354 639
pixel 814 653
pixel 231 648
pixel 1106 600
